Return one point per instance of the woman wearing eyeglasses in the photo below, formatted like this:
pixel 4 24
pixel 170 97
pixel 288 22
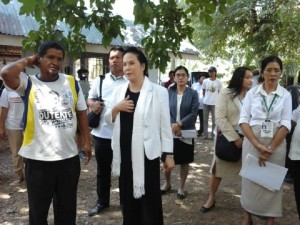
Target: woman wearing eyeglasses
pixel 184 105
pixel 265 120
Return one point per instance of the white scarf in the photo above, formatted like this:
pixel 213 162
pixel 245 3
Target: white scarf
pixel 137 149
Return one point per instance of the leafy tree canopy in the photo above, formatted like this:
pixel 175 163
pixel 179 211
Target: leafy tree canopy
pixel 250 30
pixel 167 22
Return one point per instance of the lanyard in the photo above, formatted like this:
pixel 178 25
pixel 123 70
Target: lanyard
pixel 265 104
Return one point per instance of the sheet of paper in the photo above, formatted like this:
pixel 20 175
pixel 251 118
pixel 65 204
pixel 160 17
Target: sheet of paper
pixel 271 176
pixel 187 134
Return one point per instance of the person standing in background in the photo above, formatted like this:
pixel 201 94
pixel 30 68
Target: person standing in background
pixel 10 124
pixel 294 156
pixel 103 133
pixel 171 79
pixel 211 88
pixel 83 75
pixel 295 93
pixel 198 87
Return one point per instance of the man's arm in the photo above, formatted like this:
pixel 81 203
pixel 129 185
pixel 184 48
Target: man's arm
pixel 84 130
pixel 10 73
pixel 3 117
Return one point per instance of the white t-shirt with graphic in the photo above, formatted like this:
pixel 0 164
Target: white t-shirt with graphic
pixel 14 103
pixel 51 121
pixel 212 89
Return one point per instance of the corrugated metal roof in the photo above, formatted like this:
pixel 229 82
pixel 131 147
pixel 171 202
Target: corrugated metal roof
pixel 11 23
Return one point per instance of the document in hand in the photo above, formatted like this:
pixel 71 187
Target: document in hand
pixel 187 134
pixel 271 176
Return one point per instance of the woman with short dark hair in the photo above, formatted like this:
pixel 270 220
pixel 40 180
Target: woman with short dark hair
pixel 265 120
pixel 184 105
pixel 142 131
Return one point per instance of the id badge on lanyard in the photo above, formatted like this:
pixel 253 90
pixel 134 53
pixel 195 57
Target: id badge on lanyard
pixel 267 125
pixel 266 129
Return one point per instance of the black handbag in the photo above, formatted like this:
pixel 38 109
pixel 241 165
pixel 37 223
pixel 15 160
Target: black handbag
pixel 227 150
pixel 93 118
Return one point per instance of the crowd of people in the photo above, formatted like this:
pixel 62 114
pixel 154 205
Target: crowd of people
pixel 142 125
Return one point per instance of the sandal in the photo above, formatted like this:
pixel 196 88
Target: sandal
pixel 180 196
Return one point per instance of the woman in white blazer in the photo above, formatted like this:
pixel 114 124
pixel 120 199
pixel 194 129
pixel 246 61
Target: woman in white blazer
pixel 142 131
pixel 228 107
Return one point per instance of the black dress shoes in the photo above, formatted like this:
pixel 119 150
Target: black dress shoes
pixel 97 209
pixel 205 210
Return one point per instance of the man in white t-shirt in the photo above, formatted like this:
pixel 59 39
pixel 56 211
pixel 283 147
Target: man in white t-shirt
pixel 211 88
pixel 53 106
pixel 198 87
pixel 10 125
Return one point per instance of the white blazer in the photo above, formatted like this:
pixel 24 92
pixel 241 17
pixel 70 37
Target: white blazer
pixel 154 127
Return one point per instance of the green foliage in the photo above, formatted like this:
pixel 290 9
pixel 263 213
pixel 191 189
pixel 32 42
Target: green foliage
pixel 203 10
pixel 166 24
pixel 250 30
pixel 169 30
pixel 169 22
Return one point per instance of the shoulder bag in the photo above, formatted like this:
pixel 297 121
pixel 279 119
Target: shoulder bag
pixel 226 150
pixel 93 118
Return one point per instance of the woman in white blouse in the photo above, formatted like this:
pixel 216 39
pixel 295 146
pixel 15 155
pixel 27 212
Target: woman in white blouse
pixel 265 120
pixel 294 155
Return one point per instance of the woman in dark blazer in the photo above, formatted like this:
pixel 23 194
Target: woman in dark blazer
pixel 184 104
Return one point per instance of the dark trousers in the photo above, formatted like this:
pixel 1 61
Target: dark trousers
pixel 295 171
pixel 103 154
pixel 55 180
pixel 200 114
